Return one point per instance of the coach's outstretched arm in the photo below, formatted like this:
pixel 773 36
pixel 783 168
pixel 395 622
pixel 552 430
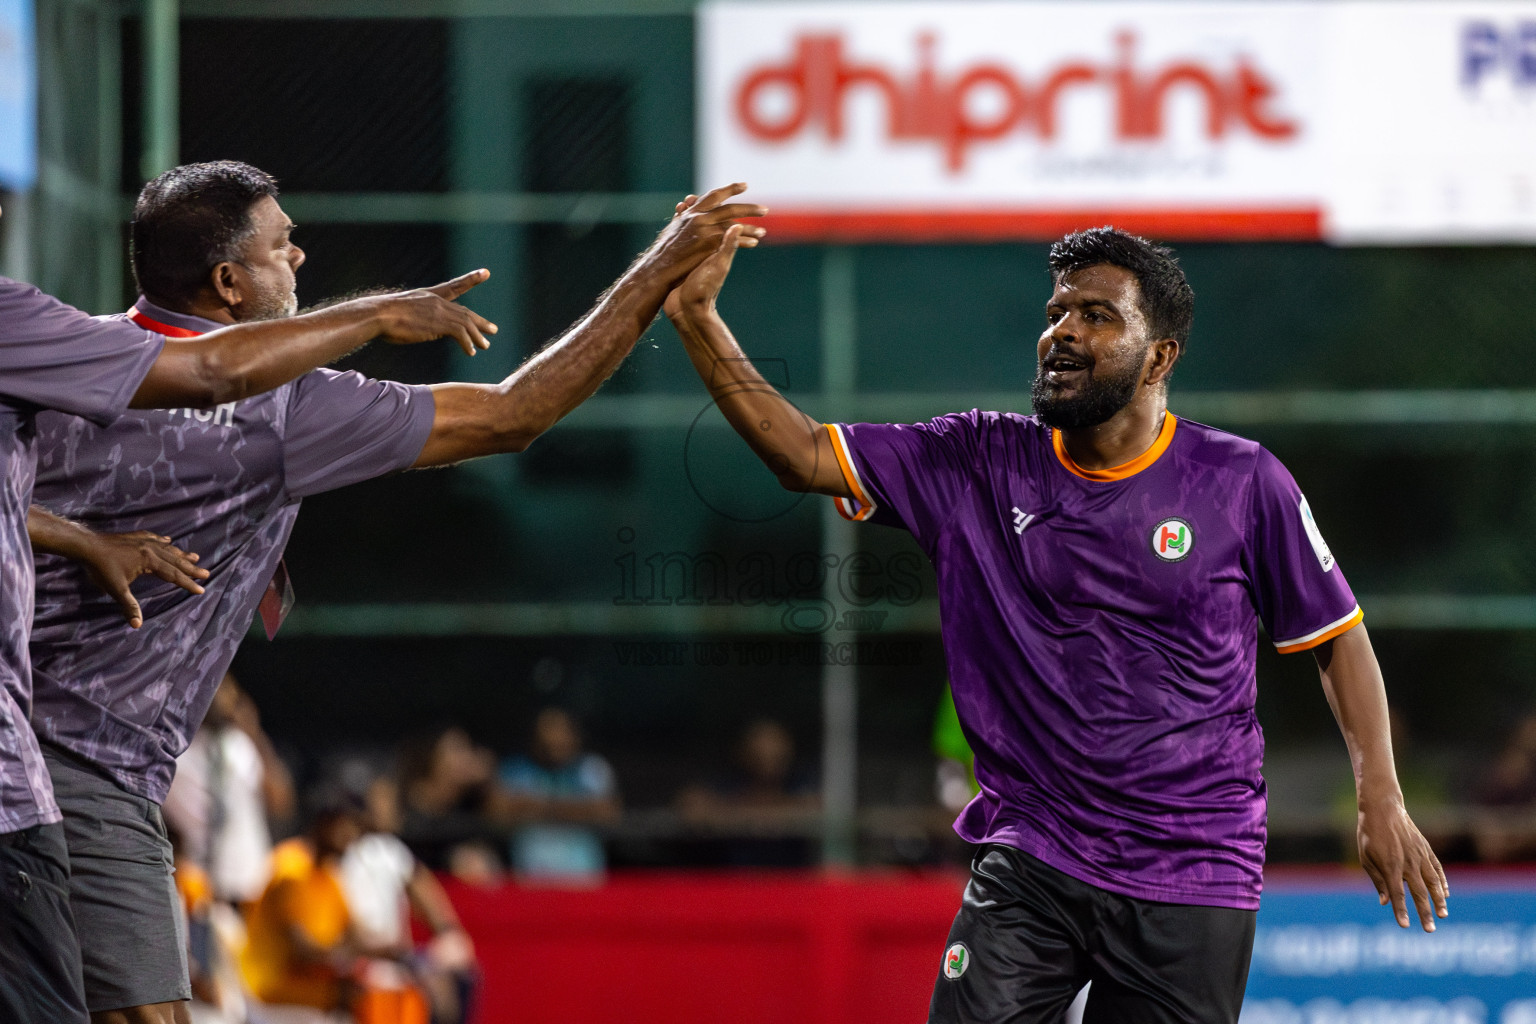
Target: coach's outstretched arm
pixel 791 444
pixel 246 359
pixel 484 419
pixel 1392 850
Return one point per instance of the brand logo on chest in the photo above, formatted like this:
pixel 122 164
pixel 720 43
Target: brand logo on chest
pixel 1173 539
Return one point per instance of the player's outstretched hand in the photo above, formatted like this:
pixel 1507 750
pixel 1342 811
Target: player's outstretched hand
pixel 697 229
pixel 429 313
pixel 1394 853
pixel 115 560
pixel 702 286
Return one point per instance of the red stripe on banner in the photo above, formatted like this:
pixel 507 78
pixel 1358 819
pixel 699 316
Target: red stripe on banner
pixel 1298 224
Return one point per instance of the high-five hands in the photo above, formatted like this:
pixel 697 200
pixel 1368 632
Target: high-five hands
pixel 698 229
pixel 702 286
pixel 425 314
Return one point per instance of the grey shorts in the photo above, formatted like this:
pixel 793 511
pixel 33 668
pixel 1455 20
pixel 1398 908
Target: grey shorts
pixel 122 889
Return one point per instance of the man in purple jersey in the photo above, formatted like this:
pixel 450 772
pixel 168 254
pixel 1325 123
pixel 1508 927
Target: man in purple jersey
pixel 55 357
pixel 114 705
pixel 1103 567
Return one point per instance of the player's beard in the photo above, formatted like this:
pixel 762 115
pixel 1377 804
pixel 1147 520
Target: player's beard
pixel 1096 401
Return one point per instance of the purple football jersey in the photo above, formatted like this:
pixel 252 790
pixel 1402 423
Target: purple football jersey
pixel 1100 630
pixel 52 356
pixel 224 482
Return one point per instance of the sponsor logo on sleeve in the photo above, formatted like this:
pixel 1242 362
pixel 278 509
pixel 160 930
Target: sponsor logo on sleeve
pixel 956 959
pixel 1173 539
pixel 1319 546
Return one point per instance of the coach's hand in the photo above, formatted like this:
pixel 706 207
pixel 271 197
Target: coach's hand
pixel 1393 853
pixel 428 313
pixel 697 230
pixel 114 560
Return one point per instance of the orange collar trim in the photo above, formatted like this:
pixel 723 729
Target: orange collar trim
pixel 1125 469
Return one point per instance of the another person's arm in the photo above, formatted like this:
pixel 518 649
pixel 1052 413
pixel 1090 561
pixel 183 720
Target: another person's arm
pixel 791 444
pixel 1392 850
pixel 115 560
pixel 483 419
pixel 277 793
pixel 236 362
pixel 430 903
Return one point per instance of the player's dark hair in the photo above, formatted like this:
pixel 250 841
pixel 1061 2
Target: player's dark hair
pixel 188 221
pixel 1167 300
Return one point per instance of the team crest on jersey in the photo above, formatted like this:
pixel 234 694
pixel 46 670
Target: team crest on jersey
pixel 956 959
pixel 1173 539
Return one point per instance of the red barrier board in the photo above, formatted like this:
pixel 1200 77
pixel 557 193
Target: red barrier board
pixel 752 948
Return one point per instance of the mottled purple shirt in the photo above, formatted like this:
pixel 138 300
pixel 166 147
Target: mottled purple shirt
pixel 52 356
pixel 223 482
pixel 1100 629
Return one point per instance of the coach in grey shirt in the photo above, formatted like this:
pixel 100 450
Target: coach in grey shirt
pixel 115 705
pixel 55 357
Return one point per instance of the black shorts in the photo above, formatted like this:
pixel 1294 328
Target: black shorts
pixel 39 952
pixel 1028 937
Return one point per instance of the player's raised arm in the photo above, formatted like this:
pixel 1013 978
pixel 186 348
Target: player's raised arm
pixel 791 444
pixel 483 419
pixel 1392 850
pixel 248 358
pixel 114 560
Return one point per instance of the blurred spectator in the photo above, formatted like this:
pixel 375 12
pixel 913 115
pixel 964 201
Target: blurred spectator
pixel 1512 779
pixel 230 785
pixel 1510 788
pixel 451 804
pixel 559 792
pixel 385 886
pixel 217 994
pixel 304 956
pixel 768 809
pixel 955 776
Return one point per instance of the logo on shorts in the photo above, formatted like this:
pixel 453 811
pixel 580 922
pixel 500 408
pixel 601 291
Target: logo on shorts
pixel 956 959
pixel 1172 540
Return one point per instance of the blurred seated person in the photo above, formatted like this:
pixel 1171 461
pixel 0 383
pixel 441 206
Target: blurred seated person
pixel 386 886
pixel 770 811
pixel 559 792
pixel 303 955
pixel 453 810
pixel 955 774
pixel 230 787
pixel 1508 792
pixel 217 994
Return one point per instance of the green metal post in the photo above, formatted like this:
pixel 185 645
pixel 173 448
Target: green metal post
pixel 162 99
pixel 839 682
pixel 109 156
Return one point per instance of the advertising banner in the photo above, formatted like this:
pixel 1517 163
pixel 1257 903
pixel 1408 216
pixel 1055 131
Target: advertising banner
pixel 1329 955
pixel 18 96
pixel 977 119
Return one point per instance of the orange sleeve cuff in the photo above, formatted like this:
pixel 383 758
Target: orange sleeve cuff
pixel 1321 636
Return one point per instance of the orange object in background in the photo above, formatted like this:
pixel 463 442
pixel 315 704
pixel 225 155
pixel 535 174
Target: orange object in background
pixel 390 1006
pixel 744 948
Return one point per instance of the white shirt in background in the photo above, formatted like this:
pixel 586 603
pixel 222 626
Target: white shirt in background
pixel 218 784
pixel 374 874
